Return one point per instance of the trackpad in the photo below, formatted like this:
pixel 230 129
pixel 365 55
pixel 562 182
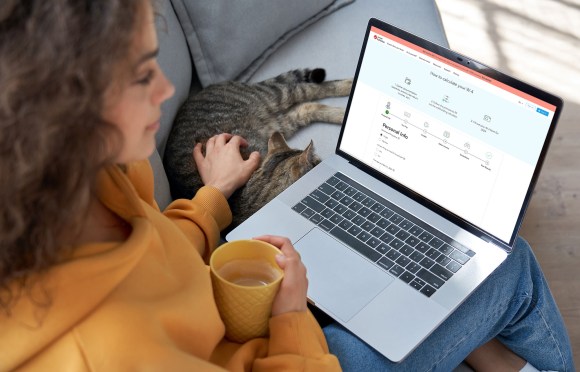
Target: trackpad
pixel 339 280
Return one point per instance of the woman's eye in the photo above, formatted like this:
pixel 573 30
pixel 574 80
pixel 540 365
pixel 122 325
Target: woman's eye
pixel 146 79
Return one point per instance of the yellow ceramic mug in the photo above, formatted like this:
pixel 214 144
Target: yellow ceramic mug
pixel 245 278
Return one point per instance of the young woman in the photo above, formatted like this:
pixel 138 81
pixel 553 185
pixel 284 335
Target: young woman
pixel 94 277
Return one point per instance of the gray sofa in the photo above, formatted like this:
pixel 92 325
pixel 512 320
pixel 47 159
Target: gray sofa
pixel 203 42
pixel 288 35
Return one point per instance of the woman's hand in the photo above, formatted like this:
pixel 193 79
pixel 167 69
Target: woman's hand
pixel 223 166
pixel 291 296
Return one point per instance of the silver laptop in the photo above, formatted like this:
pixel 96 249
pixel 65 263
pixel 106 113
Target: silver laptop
pixel 434 168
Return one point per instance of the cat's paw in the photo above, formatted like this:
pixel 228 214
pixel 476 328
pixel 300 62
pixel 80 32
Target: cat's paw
pixel 317 75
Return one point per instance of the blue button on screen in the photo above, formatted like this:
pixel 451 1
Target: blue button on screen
pixel 541 111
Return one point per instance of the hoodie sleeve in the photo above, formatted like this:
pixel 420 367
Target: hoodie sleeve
pixel 296 344
pixel 202 218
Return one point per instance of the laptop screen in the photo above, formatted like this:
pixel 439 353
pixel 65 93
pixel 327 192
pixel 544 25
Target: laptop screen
pixel 447 132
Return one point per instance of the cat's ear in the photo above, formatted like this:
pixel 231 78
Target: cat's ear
pixel 277 142
pixel 307 156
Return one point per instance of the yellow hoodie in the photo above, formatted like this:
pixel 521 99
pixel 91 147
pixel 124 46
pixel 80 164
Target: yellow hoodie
pixel 147 303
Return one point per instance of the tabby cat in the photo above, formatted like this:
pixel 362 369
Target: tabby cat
pixel 263 113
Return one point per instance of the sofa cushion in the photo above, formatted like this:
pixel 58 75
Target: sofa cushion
pixel 334 43
pixel 230 39
pixel 175 62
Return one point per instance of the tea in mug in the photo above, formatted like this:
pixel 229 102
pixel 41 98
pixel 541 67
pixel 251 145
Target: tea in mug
pixel 248 272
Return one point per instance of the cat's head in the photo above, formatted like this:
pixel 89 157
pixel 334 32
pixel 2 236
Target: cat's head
pixel 283 165
pixel 280 168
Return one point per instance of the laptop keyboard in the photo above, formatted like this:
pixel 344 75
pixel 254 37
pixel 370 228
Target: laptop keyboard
pixel 394 240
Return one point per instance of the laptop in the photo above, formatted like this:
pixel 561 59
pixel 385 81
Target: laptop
pixel 423 199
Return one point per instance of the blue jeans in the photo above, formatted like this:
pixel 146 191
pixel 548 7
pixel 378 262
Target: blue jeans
pixel 513 305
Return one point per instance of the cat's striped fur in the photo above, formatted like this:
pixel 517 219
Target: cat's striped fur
pixel 256 112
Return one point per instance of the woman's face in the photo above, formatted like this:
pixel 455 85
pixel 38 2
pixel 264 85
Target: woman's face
pixel 134 105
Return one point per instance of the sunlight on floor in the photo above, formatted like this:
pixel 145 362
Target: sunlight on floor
pixel 516 37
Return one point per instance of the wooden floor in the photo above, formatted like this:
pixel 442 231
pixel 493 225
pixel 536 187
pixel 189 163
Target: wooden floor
pixel 538 41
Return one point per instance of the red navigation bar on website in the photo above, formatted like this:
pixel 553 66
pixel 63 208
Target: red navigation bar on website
pixel 464 69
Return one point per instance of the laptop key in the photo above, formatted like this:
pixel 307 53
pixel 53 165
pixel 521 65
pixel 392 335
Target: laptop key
pixel 425 236
pixel 427 262
pixel 459 257
pixel 333 181
pixel 382 248
pixel 396 270
pixel 373 242
pixel 326 225
pixel 355 206
pixel 367 226
pixel 377 207
pixel 405 224
pixel 413 267
pixel 386 213
pixel 385 263
pixel 320 196
pixel 430 278
pixel 393 254
pixel 299 207
pixel 387 238
pixel 336 219
pixel 364 211
pixel 331 203
pixel 403 235
pixel 368 202
pixel 310 202
pixel 316 218
pixel 348 214
pixel 422 247
pixel 396 243
pixel 356 244
pixel 377 232
pixel 358 220
pixel 416 256
pixel 406 250
pixel 354 230
pixel 337 195
pixel 350 191
pixel 435 242
pixel 441 272
pixel 346 200
pixel 307 213
pixel 396 219
pixel 359 196
pixel 393 229
pixel 327 213
pixel 462 249
pixel 427 290
pixel 383 223
pixel 416 230
pixel 403 261
pixel 364 236
pixel 443 260
pixel 417 284
pixel 453 266
pixel 326 189
pixel 340 209
pixel 374 218
pixel 432 254
pixel 341 186
pixel 445 249
pixel 345 224
pixel 412 241
pixel 407 277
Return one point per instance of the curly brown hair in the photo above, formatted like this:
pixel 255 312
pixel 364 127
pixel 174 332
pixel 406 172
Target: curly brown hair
pixel 57 59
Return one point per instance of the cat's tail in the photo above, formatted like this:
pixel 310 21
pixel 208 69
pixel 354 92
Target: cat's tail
pixel 304 75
